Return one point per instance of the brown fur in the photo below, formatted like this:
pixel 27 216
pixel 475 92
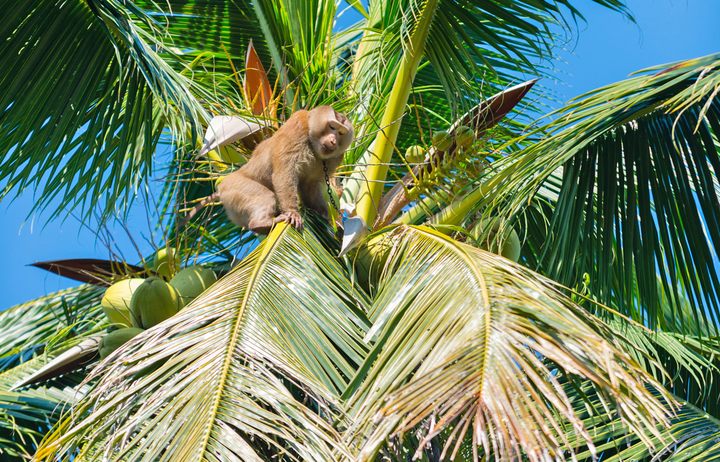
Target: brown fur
pixel 287 167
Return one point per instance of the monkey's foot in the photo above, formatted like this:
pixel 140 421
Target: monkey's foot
pixel 290 217
pixel 261 226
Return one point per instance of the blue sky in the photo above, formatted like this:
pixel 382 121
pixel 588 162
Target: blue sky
pixel 607 48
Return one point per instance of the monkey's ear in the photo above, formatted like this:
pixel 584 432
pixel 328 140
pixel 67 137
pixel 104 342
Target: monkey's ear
pixel 340 117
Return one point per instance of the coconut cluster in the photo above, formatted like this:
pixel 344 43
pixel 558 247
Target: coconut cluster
pixel 462 137
pixel 136 304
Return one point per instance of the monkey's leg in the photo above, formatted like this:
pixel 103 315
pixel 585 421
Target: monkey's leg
pixel 249 205
pixel 263 211
pixel 312 197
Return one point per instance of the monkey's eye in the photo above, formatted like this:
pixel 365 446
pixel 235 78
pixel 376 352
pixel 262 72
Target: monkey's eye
pixel 336 126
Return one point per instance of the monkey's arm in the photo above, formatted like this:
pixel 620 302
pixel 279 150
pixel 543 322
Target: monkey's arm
pixel 285 183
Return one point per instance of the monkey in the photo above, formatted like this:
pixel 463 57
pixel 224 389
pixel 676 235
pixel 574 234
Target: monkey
pixel 284 168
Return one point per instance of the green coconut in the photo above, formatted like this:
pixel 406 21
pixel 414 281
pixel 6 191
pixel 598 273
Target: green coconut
pixel 165 262
pixel 511 246
pixel 510 241
pixel 116 339
pixel 192 281
pixel 415 154
pixel 370 259
pixel 153 302
pixel 442 140
pixel 464 136
pixel 116 301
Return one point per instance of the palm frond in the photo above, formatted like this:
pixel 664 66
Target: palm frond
pixel 211 38
pixel 47 319
pixel 469 38
pixel 26 417
pixel 85 100
pixel 685 365
pixel 33 335
pixel 639 198
pixel 698 387
pixel 217 27
pixel 692 434
pixel 456 37
pixel 472 343
pixel 215 380
pixel 300 33
pixel 695 437
pixel 27 414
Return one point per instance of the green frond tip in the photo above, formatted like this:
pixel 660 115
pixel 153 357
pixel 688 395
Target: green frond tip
pixel 85 100
pixel 28 412
pixel 48 319
pixel 638 204
pixel 467 343
pixel 691 435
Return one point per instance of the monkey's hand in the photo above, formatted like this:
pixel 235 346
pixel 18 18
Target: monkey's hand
pixel 292 217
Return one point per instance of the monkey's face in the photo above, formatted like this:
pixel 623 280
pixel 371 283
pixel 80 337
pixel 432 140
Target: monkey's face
pixel 330 132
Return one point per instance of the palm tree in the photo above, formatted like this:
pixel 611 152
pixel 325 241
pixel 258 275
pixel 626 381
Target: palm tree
pixel 420 341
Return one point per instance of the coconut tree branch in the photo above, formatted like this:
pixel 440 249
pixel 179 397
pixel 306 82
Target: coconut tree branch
pixel 381 150
pixel 481 118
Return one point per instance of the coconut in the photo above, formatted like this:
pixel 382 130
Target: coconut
pixel 371 257
pixel 165 262
pixel 510 241
pixel 415 154
pixel 116 339
pixel 192 281
pixel 116 301
pixel 511 246
pixel 153 302
pixel 442 140
pixel 464 136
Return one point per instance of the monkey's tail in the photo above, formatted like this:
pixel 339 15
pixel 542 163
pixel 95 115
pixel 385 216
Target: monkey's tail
pixel 195 210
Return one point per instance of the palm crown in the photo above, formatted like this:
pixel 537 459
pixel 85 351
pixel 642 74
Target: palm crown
pixel 420 340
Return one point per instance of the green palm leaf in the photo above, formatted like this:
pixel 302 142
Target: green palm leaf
pixel 473 37
pixel 692 435
pixel 27 414
pixel 639 160
pixel 685 365
pixel 25 417
pixel 470 343
pixel 695 436
pixel 453 35
pixel 301 36
pixel 85 100
pixel 212 38
pixel 207 382
pixel 48 319
pixel 217 27
pixel 33 334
